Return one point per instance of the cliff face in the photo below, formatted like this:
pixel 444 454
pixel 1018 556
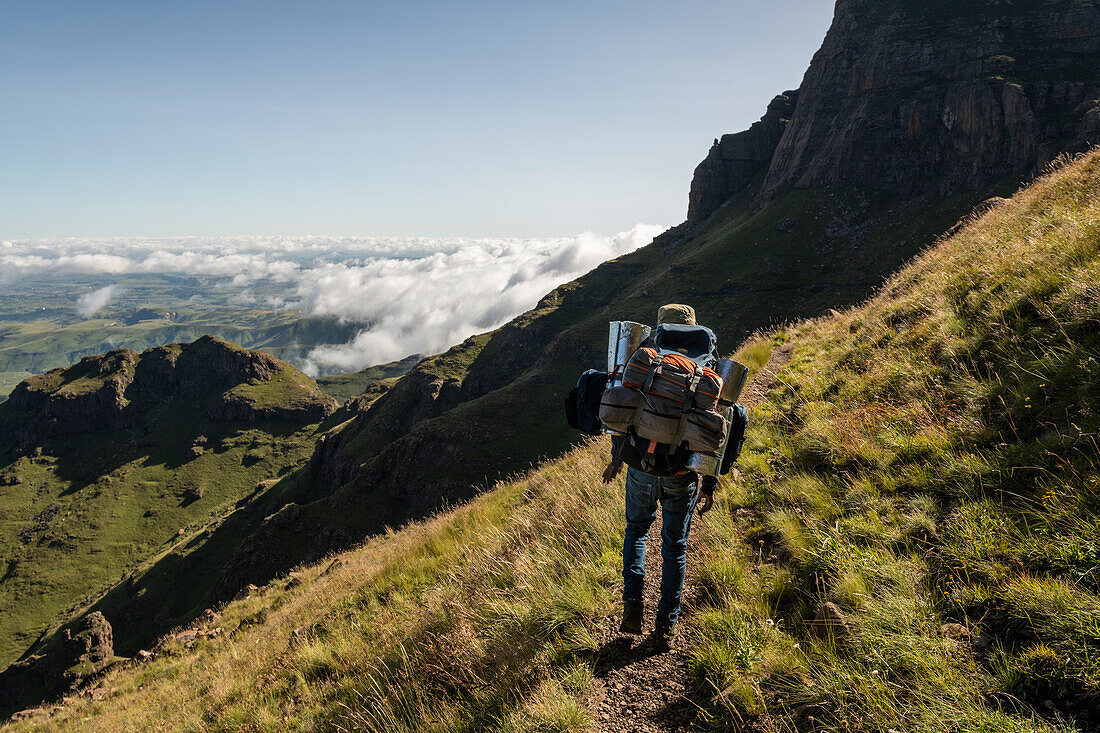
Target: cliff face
pixel 735 160
pixel 916 96
pixel 904 97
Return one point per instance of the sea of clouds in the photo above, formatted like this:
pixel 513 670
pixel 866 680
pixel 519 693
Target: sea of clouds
pixel 420 295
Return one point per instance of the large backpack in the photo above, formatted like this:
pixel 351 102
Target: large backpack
pixel 665 407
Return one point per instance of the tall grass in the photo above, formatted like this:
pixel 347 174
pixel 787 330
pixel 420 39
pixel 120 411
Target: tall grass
pixel 928 464
pixel 475 620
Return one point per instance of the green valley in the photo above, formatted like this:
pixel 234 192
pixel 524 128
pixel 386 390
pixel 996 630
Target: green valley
pixel 184 433
pixel 40 330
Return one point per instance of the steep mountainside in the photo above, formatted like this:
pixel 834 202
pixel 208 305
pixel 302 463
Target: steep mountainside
pixel 118 458
pixel 807 211
pixel 911 544
pixel 915 96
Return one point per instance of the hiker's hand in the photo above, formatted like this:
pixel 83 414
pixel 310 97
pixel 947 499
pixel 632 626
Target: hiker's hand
pixel 706 501
pixel 611 472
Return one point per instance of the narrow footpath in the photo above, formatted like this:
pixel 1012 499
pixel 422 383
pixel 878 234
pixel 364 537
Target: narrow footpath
pixel 637 689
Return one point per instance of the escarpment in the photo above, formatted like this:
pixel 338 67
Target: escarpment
pixel 914 97
pixel 734 160
pixel 941 97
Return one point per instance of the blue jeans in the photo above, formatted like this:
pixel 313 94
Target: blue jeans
pixel 676 495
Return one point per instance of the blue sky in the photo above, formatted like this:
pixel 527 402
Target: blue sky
pixel 400 118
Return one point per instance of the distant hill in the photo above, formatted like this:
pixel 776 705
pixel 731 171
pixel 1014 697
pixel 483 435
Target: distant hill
pixel 343 387
pixel 119 458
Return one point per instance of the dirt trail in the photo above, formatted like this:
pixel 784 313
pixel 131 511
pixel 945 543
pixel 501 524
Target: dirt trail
pixel 637 689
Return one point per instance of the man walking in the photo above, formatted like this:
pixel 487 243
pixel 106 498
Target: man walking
pixel 678 491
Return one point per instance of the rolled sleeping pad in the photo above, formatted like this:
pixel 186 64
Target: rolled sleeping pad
pixel 710 464
pixel 734 375
pixel 623 340
pixel 704 464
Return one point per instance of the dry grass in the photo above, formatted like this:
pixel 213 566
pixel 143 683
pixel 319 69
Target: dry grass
pixel 472 620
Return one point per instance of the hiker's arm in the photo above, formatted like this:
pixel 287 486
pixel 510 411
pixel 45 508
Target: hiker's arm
pixel 706 493
pixel 616 464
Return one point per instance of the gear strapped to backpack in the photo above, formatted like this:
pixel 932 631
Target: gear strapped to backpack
pixel 582 406
pixel 665 407
pixel 664 401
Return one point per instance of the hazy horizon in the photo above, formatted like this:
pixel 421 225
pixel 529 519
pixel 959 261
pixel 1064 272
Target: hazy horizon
pixel 417 295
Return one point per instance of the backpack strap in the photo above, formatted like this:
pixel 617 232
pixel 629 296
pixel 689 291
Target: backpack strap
pixel 693 387
pixel 689 404
pixel 652 375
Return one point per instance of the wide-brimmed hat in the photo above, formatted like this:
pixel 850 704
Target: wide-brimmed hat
pixel 676 313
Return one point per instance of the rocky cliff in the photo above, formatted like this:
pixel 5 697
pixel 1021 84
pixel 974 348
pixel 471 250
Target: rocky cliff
pixel 913 96
pixel 735 160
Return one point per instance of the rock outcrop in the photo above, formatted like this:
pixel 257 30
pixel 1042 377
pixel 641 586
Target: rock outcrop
pixel 79 654
pixel 90 650
pixel 111 391
pixel 90 395
pixel 736 159
pixel 914 97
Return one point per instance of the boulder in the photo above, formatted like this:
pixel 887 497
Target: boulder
pixel 831 623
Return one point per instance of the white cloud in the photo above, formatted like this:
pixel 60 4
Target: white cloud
pixel 418 294
pixel 89 304
pixel 424 305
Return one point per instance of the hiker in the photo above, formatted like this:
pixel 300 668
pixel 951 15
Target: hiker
pixel 679 492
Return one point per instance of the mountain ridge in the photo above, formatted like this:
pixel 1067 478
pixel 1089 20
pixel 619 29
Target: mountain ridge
pixel 104 392
pixel 107 463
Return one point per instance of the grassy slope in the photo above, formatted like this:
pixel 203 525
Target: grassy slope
pixel 92 508
pixel 343 387
pixel 452 622
pixel 930 458
pixel 926 458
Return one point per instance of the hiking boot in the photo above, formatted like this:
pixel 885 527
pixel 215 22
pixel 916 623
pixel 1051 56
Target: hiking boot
pixel 632 617
pixel 664 634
